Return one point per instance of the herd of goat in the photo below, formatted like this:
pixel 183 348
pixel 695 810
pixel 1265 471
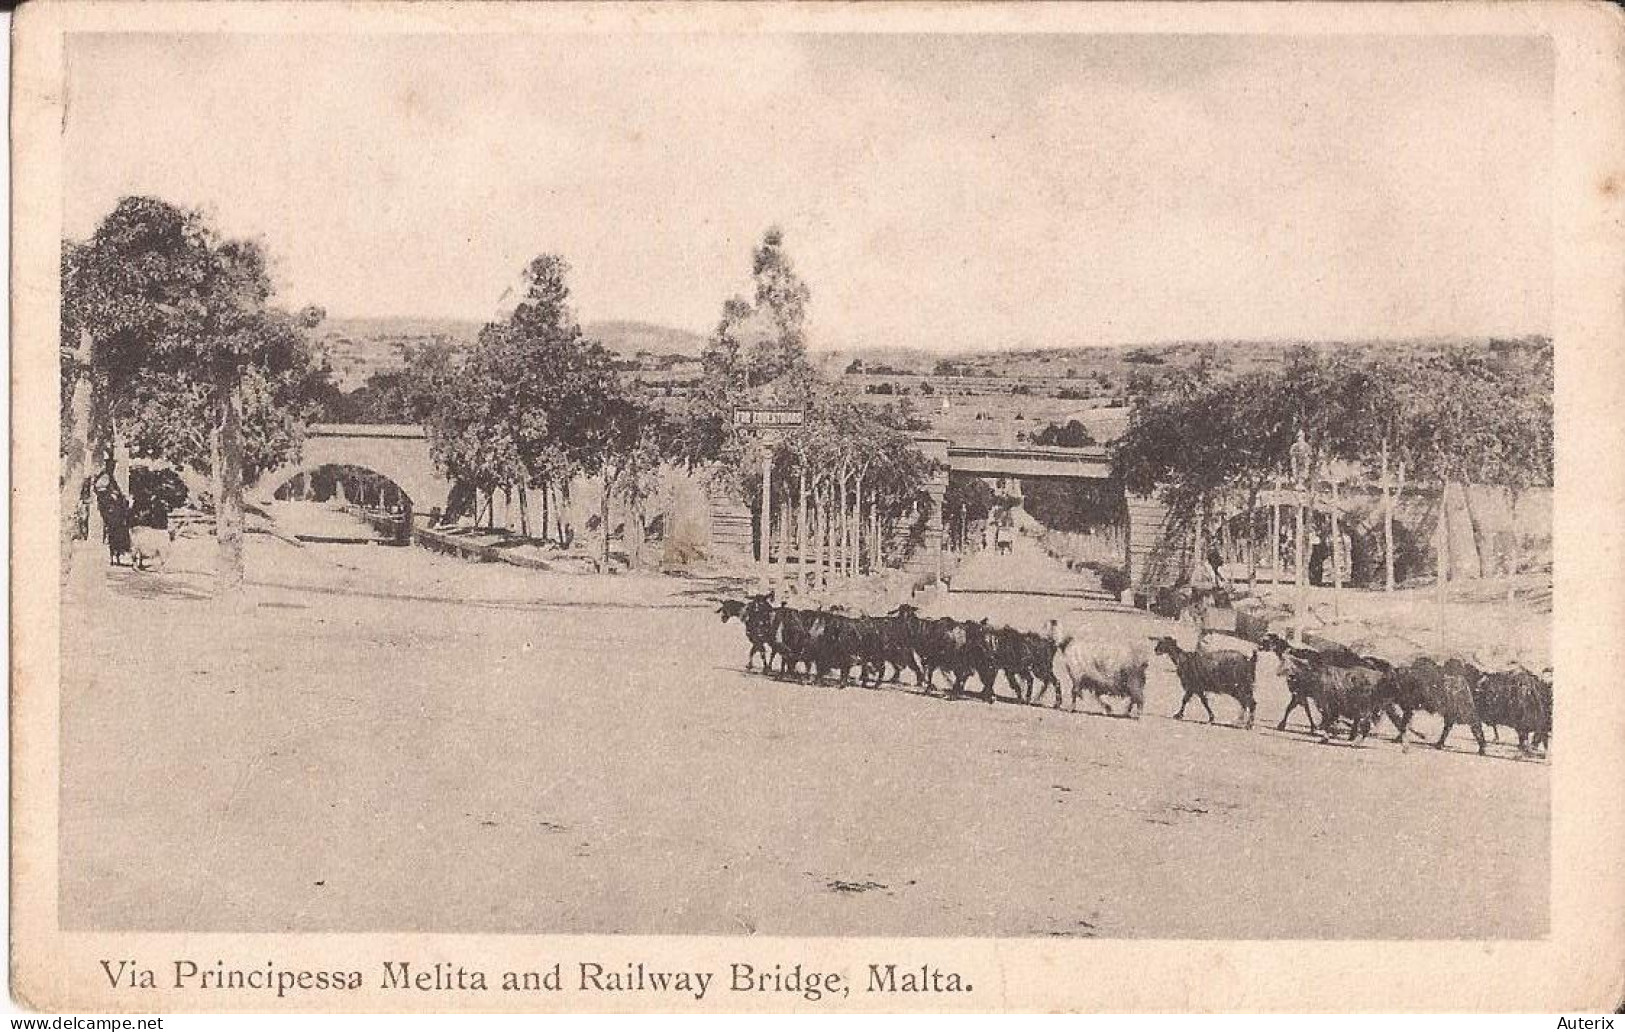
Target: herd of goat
pixel 1349 690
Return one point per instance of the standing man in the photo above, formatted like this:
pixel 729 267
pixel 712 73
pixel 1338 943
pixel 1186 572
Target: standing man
pixel 115 511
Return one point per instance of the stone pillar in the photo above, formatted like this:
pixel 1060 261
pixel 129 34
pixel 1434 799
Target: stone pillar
pixel 929 557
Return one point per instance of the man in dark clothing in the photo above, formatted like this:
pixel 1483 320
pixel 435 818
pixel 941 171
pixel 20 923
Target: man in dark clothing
pixel 115 513
pixel 1318 553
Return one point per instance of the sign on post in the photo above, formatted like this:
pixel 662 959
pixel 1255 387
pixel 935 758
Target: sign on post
pixel 766 424
pixel 768 418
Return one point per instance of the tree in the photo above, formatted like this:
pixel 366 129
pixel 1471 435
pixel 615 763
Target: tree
pixel 781 300
pixel 1479 420
pixel 1460 416
pixel 841 477
pixel 170 326
pixel 967 500
pixel 1073 435
pixel 633 442
pixel 531 405
pixel 1525 454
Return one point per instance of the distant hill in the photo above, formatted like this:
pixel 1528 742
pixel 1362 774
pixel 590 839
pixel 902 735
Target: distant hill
pixel 391 328
pixel 1085 361
pixel 627 337
pixel 360 347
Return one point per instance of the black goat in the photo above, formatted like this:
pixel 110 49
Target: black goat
pixel 1444 689
pixel 1219 672
pixel 756 615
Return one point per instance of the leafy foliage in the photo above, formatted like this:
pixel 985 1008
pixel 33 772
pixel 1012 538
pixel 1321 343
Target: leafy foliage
pixel 1455 416
pixel 1073 434
pixel 533 403
pixel 176 313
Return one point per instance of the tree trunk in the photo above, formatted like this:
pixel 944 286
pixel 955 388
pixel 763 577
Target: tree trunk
pixel 764 536
pixel 838 558
pixel 79 461
pixel 784 534
pixel 821 539
pixel 1198 557
pixel 1335 553
pixel 1441 562
pixel 561 509
pixel 801 525
pixel 547 489
pixel 877 560
pixel 826 534
pixel 1464 557
pixel 1301 603
pixel 1275 536
pixel 854 531
pixel 603 522
pixel 1514 549
pixel 229 503
pixel 1252 540
pixel 849 531
pixel 1387 522
pixel 1477 566
pixel 634 534
pixel 524 513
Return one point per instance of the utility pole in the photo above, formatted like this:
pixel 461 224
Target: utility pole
pixel 768 426
pixel 1302 457
pixel 765 531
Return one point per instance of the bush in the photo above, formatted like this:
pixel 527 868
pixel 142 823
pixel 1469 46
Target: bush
pixel 1412 556
pixel 154 494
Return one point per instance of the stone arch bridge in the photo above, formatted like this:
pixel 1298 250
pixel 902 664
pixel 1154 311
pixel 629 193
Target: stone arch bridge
pixel 401 453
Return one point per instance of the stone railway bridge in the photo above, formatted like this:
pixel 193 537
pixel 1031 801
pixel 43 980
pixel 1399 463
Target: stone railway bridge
pixel 400 453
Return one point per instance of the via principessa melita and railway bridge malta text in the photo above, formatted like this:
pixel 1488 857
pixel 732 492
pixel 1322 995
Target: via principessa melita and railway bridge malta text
pixel 634 977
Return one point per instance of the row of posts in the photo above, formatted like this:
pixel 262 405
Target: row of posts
pixel 766 425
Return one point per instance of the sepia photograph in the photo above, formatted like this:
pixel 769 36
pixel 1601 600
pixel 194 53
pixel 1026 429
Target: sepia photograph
pixel 655 475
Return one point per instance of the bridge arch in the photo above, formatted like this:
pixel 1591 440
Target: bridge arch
pixel 399 454
pixel 276 481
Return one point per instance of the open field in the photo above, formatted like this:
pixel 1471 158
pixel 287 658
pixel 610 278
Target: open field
pixel 384 739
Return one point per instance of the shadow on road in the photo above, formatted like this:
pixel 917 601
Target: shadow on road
pixel 1297 735
pixel 131 583
pixel 518 605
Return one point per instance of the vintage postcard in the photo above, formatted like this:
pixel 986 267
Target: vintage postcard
pixel 853 507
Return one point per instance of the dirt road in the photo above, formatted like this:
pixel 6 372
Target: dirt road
pixel 388 740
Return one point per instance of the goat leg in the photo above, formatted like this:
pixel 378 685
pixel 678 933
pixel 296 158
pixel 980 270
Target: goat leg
pixel 1448 724
pixel 1403 723
pixel 1291 705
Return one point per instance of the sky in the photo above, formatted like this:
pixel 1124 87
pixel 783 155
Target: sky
pixel 940 192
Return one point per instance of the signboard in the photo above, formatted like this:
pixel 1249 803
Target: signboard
pixel 768 417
